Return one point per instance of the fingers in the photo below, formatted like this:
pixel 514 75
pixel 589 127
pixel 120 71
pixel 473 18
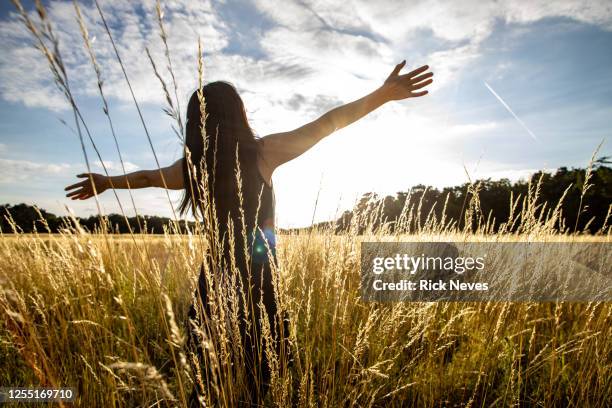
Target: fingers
pixel 81 186
pixel 416 72
pixel 420 78
pixel 75 193
pixel 417 94
pixel 422 84
pixel 398 68
pixel 80 194
pixel 75 185
pixel 81 190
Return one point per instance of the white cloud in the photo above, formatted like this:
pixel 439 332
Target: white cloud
pixel 598 12
pixel 330 52
pixel 317 43
pixel 116 166
pixel 329 31
pixel 472 20
pixel 134 28
pixel 12 171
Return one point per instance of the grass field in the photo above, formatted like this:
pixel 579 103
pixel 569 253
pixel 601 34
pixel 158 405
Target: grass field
pixel 106 314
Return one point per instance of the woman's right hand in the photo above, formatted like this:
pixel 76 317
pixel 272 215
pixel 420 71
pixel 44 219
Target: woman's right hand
pixel 85 189
pixel 398 87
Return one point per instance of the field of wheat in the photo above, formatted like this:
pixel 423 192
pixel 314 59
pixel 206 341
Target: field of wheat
pixel 106 314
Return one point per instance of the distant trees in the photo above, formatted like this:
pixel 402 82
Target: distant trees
pixel 494 198
pixel 450 204
pixel 30 219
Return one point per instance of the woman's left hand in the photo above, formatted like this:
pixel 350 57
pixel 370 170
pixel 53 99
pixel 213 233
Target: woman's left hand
pixel 92 185
pixel 397 87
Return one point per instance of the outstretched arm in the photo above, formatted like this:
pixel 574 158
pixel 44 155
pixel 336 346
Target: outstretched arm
pixel 279 148
pixel 170 177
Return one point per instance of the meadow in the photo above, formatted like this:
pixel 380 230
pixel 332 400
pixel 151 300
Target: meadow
pixel 106 314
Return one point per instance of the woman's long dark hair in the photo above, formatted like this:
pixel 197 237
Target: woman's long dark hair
pixel 226 134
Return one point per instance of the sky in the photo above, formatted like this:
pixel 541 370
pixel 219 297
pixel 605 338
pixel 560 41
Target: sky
pixel 519 86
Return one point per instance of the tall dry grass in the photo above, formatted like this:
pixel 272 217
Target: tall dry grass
pixel 107 313
pixel 111 321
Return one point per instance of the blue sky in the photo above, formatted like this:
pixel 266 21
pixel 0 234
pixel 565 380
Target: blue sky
pixel 291 61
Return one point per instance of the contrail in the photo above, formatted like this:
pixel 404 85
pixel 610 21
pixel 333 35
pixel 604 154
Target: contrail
pixel 511 112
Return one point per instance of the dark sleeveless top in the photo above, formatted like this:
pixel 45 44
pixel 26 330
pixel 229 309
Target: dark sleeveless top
pixel 264 243
pixel 266 205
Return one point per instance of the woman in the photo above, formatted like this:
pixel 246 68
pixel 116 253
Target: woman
pixel 227 179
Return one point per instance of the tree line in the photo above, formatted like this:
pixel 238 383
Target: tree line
pixel 28 219
pixel 583 198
